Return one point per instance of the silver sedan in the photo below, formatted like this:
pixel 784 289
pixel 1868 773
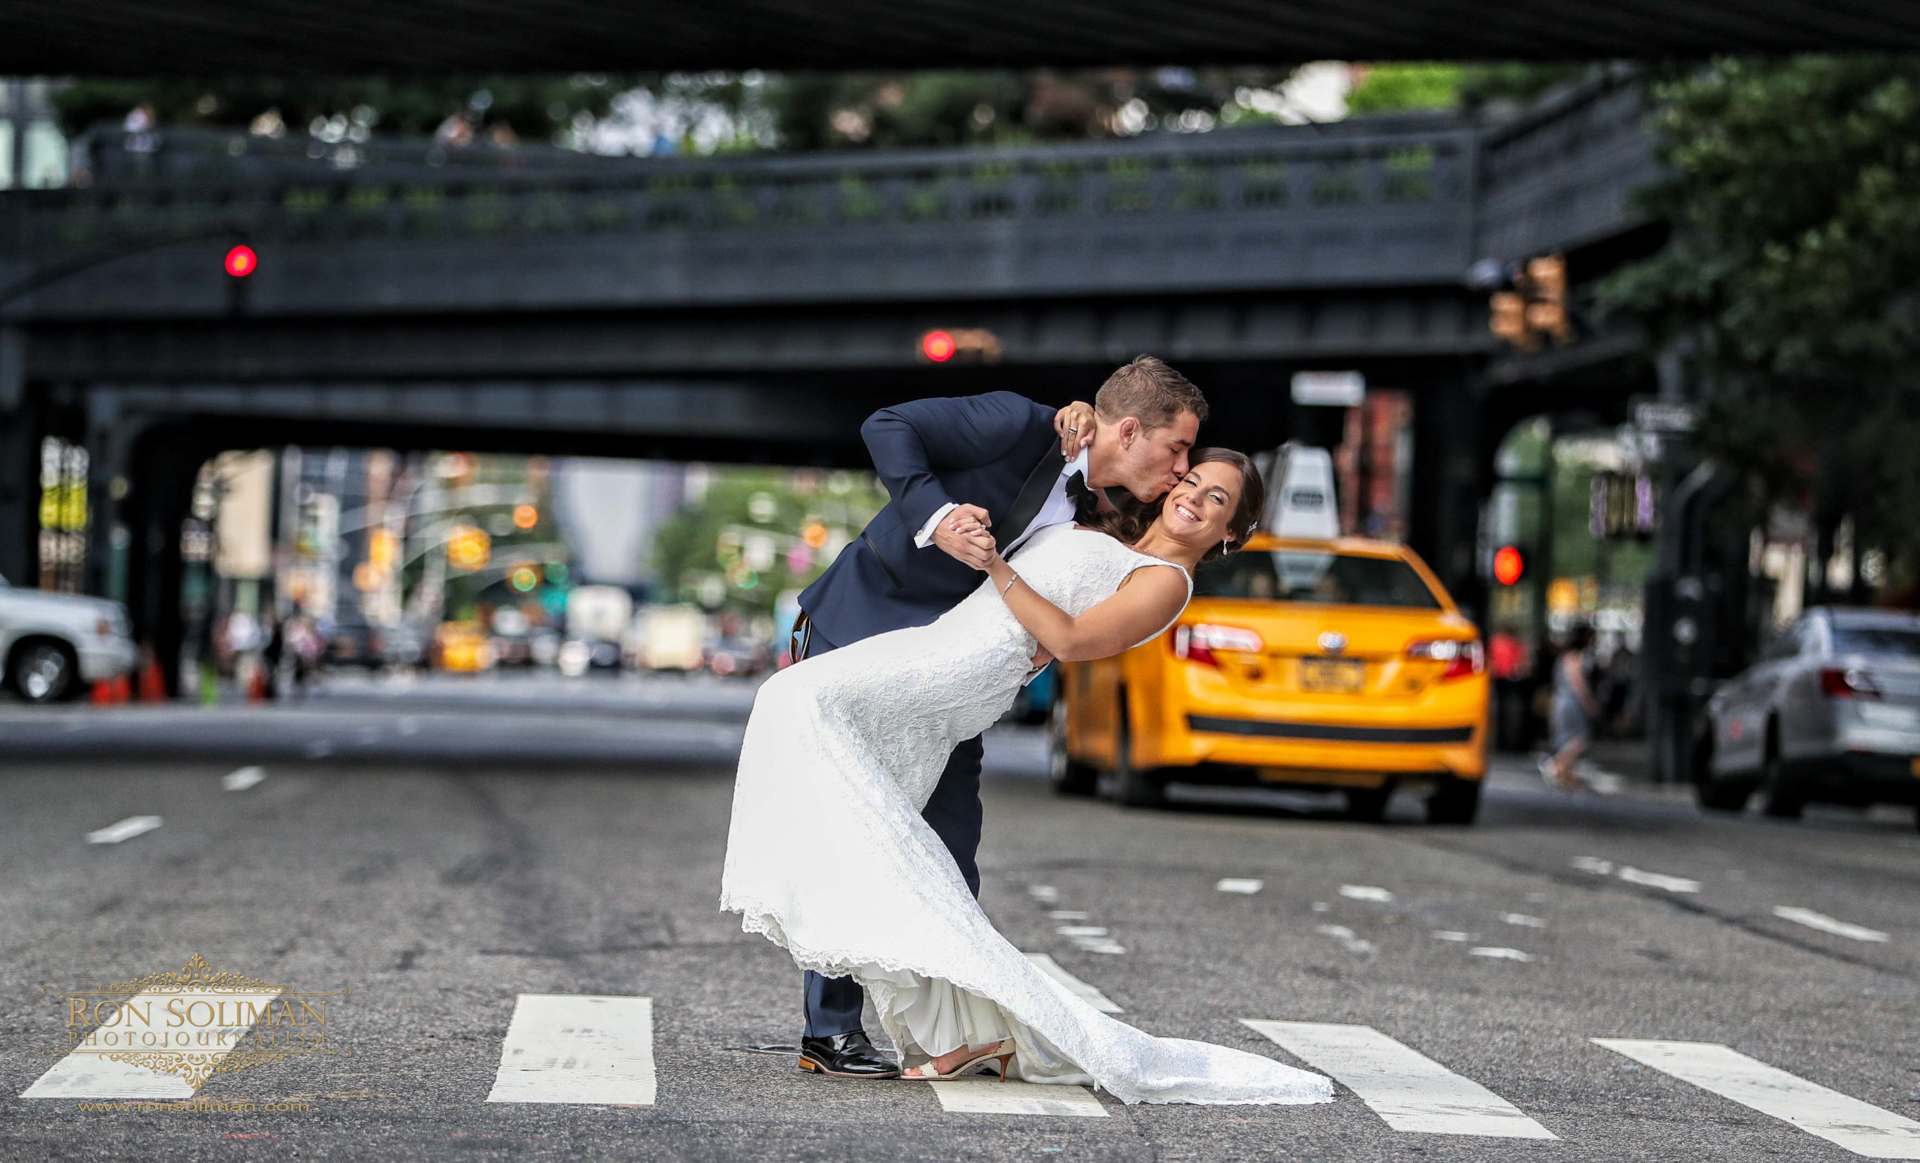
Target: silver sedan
pixel 1830 712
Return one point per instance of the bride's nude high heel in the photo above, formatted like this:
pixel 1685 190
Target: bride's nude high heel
pixel 1003 1053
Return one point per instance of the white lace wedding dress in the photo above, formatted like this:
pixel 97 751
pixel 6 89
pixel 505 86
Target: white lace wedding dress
pixel 849 745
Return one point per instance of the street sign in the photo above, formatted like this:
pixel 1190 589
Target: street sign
pixel 1330 389
pixel 1663 416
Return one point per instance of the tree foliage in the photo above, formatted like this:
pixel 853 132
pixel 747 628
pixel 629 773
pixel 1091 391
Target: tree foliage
pixel 1398 86
pixel 1004 107
pixel 537 108
pixel 712 111
pixel 1791 276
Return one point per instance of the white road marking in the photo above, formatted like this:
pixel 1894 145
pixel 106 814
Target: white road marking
pixel 1450 935
pixel 577 1048
pixel 1499 953
pixel 1100 945
pixel 1046 894
pixel 1248 886
pixel 1406 1088
pixel 126 829
pixel 1074 985
pixel 990 1096
pixel 1523 920
pixel 1320 906
pixel 1067 915
pixel 1826 924
pixel 1659 880
pixel 1080 931
pixel 243 778
pixel 1839 1119
pixel 1347 939
pixel 1366 892
pixel 86 1072
pixel 1633 875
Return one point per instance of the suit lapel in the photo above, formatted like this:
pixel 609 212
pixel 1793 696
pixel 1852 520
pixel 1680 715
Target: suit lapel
pixel 1032 495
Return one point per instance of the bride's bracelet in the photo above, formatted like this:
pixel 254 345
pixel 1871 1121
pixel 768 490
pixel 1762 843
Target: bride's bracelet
pixel 1009 585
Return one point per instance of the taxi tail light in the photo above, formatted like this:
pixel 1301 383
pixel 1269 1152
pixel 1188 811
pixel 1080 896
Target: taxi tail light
pixel 1463 659
pixel 1847 684
pixel 1197 643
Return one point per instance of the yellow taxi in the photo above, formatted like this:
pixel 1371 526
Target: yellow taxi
pixel 1337 665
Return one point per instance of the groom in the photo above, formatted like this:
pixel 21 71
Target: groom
pixel 951 466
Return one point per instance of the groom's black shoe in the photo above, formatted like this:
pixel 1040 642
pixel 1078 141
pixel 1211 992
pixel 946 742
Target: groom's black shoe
pixel 846 1056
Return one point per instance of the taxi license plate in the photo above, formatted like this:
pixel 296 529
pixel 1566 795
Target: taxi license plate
pixel 1346 676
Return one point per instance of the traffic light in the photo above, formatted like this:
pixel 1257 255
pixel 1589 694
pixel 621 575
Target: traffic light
pixel 525 516
pixel 1507 318
pixel 524 577
pixel 937 346
pixel 967 343
pixel 241 261
pixel 1547 287
pixel 1508 565
pixel 1536 306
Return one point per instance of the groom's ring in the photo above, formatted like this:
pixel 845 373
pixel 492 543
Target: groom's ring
pixel 1070 428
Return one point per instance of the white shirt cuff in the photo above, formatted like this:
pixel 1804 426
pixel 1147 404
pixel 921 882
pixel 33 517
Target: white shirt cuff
pixel 924 538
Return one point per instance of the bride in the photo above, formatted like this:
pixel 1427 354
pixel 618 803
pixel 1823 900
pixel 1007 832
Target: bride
pixel 862 734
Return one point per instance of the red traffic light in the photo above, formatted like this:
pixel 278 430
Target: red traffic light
pixel 937 346
pixel 1508 565
pixel 241 261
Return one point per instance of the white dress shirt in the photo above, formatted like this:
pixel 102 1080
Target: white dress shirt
pixel 1057 509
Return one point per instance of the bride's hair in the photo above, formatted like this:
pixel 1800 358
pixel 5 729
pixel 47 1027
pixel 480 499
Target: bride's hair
pixel 1134 517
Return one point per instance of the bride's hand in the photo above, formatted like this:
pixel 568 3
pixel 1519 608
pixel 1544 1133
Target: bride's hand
pixel 1075 424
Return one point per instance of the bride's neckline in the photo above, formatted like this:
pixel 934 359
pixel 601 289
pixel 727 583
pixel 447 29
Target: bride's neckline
pixel 1078 528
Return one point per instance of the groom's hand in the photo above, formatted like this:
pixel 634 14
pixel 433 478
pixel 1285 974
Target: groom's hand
pixel 1075 424
pixel 962 535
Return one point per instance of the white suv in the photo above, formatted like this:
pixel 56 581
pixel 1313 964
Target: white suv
pixel 52 645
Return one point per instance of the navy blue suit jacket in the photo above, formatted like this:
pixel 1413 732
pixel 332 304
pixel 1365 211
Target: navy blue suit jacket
pixel 972 450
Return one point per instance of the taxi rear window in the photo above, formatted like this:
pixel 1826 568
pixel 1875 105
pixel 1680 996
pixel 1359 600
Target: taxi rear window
pixel 1291 575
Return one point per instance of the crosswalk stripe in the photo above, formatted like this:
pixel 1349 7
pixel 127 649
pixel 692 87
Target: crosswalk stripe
pixel 1840 1119
pixel 1092 996
pixel 577 1048
pixel 1406 1088
pixel 86 1072
pixel 990 1096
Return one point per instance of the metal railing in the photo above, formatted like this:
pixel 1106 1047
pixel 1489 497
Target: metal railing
pixel 1238 171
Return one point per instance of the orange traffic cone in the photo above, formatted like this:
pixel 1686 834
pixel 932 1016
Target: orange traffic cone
pixel 153 685
pixel 122 689
pixel 102 692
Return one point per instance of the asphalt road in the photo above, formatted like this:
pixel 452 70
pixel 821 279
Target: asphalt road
pixel 452 854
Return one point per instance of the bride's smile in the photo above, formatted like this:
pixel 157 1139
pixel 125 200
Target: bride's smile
pixel 1198 514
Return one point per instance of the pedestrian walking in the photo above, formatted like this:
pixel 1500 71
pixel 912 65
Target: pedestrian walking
pixel 1573 715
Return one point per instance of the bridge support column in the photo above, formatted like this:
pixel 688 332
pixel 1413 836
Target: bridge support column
pixel 109 443
pixel 20 432
pixel 159 498
pixel 1444 521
